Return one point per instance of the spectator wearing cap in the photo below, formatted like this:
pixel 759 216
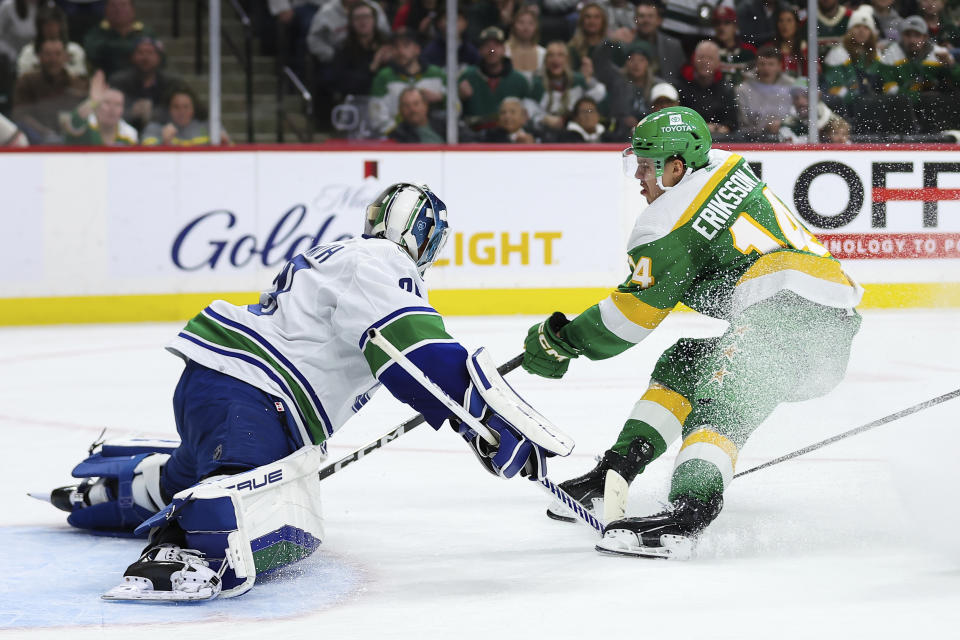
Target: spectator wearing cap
pixel 668 53
pixel 98 120
pixel 482 88
pixel 790 42
pixel 852 69
pixel 915 63
pixel 584 125
pixel 795 127
pixel 833 20
pixel 941 28
pixel 435 52
pixel 757 20
pixel 889 21
pixel 558 88
pixel 110 44
pixel 40 96
pixel 763 99
pixel 328 29
pixel 413 125
pixel 630 99
pixel 703 89
pixel 51 24
pixel 663 95
pixel 736 56
pixel 145 85
pixel 17 26
pixel 363 54
pixel 511 124
pixel 523 46
pixel 404 70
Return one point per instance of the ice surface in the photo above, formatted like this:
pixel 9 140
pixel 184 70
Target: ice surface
pixel 857 540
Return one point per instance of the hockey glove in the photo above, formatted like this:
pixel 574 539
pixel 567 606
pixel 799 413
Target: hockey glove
pixel 545 352
pixel 514 454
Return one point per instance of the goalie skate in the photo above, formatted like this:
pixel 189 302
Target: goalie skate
pixel 167 573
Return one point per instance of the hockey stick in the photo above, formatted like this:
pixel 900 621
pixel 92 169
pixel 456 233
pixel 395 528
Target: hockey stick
pixel 482 430
pixel 409 425
pixel 870 425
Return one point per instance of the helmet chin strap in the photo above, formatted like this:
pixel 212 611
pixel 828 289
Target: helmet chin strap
pixel 687 171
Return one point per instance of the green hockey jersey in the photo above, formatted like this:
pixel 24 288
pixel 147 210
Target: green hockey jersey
pixel 717 242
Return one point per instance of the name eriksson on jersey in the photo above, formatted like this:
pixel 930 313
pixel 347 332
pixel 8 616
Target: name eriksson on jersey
pixel 718 209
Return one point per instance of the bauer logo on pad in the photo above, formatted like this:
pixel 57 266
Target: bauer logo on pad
pixel 676 118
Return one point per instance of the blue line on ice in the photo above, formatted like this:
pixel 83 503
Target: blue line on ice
pixel 54 578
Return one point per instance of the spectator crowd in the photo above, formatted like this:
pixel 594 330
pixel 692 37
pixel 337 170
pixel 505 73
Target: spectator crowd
pixel 111 90
pixel 88 72
pixel 565 71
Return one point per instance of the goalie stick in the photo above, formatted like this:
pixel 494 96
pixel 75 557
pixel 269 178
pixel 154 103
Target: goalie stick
pixel 409 425
pixel 545 483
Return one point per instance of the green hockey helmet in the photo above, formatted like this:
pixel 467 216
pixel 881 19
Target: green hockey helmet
pixel 674 131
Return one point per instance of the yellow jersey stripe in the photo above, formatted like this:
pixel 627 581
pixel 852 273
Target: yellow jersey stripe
pixel 707 189
pixel 670 400
pixel 708 436
pixel 636 311
pixel 816 266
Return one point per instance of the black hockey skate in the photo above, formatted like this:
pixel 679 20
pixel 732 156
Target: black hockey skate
pixel 670 534
pixel 165 572
pixel 588 489
pixel 77 496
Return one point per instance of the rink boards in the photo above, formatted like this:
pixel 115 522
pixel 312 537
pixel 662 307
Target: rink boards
pixel 155 235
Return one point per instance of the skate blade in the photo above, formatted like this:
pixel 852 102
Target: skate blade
pixel 559 512
pixel 42 496
pixel 128 593
pixel 617 543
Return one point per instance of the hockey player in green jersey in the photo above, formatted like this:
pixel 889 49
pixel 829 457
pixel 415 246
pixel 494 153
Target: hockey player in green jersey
pixel 717 239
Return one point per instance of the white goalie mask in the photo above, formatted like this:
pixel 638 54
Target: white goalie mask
pixel 413 217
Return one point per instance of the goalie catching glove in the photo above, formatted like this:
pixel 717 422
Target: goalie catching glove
pixel 546 353
pixel 525 439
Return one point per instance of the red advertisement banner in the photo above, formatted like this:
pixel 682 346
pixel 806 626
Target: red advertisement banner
pixel 853 246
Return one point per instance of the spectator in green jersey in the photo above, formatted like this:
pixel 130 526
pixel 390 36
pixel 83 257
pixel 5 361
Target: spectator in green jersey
pixel 915 63
pixel 110 44
pixel 716 238
pixel 98 120
pixel 852 68
pixel 833 20
pixel 482 88
pixel 404 70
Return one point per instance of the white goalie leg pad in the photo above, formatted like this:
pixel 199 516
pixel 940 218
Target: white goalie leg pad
pixel 502 399
pixel 255 521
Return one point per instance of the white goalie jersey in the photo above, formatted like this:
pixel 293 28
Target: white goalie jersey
pixel 306 340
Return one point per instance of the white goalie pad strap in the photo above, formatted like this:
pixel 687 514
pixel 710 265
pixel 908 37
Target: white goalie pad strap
pixel 502 399
pixel 278 516
pixel 146 482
